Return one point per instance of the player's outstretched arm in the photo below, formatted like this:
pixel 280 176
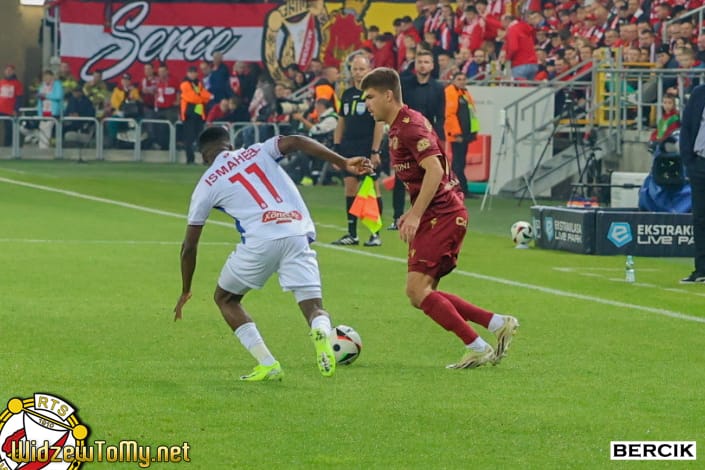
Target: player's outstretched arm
pixel 189 248
pixel 293 143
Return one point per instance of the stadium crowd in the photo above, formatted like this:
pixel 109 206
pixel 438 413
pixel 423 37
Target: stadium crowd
pixel 486 40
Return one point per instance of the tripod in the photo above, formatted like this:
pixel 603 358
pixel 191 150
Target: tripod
pixel 568 112
pixel 588 175
pixel 501 153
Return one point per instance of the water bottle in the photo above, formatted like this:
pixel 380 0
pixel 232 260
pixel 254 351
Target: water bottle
pixel 629 273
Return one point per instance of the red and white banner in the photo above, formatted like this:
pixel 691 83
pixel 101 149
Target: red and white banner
pixel 118 36
pixel 136 33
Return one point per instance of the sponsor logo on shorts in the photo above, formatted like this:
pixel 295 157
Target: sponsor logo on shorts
pixel 281 217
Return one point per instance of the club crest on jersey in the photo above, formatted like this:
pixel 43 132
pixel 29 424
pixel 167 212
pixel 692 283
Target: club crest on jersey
pixel 46 424
pixel 406 120
pixel 281 217
pixel 423 144
pixel 394 143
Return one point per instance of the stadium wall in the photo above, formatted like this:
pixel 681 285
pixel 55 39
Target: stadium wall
pixel 20 30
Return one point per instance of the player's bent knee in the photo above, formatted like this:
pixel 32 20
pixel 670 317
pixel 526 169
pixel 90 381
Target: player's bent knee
pixel 222 297
pixel 307 293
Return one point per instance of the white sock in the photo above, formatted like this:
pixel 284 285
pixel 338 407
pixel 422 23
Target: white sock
pixel 249 336
pixel 496 322
pixel 322 322
pixel 478 345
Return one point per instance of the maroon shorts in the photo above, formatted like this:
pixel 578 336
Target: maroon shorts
pixel 435 247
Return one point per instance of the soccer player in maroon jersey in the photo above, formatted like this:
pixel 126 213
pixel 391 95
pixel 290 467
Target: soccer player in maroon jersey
pixel 435 225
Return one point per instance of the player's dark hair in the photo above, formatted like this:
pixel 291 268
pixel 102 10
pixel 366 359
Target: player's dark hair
pixel 213 135
pixel 383 79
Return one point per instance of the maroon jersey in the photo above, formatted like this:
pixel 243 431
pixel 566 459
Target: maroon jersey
pixel 411 139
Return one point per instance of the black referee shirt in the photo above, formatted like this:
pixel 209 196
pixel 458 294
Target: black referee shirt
pixel 359 124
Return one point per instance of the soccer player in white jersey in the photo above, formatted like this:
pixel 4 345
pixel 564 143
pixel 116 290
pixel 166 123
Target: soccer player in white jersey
pixel 276 229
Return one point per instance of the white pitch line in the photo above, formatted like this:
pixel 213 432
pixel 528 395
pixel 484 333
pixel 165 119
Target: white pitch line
pixel 582 272
pixel 107 242
pixel 498 280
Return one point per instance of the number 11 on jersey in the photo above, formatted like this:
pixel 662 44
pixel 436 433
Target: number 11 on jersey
pixel 254 169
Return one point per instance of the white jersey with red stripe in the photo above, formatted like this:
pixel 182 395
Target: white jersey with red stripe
pixel 249 185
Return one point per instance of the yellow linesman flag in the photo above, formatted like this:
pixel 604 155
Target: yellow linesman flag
pixel 365 206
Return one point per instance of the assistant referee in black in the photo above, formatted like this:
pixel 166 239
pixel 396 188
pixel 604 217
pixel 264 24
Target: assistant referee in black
pixel 357 134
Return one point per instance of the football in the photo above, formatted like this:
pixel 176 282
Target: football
pixel 346 344
pixel 522 233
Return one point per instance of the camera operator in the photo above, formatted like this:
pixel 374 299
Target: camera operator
pixel 299 168
pixel 285 107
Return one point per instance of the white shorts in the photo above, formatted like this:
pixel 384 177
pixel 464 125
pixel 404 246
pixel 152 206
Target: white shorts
pixel 252 264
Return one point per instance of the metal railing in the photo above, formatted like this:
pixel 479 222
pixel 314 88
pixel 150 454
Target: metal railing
pixel 699 12
pixel 241 134
pixel 93 134
pixel 14 135
pixel 172 137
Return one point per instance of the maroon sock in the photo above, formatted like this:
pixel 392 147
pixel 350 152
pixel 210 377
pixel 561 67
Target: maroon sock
pixel 469 311
pixel 441 310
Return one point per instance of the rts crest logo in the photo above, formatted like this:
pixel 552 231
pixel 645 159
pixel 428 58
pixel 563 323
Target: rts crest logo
pixel 40 432
pixel 620 233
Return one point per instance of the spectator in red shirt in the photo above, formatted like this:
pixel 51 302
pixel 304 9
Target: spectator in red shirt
pixel 166 100
pixel 148 87
pixel 383 51
pixel 220 112
pixel 473 31
pixel 519 48
pixel 11 91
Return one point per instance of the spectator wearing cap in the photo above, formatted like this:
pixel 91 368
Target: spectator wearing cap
pixel 123 94
pixel 519 48
pixel 542 40
pixel 50 102
pixel 194 98
pixel 125 102
pixel 11 92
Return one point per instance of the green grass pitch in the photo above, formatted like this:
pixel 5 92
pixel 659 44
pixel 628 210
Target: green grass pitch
pixel 87 289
